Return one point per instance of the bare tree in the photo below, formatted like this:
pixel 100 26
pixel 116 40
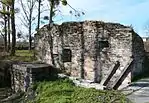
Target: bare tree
pixel 11 4
pixel 28 9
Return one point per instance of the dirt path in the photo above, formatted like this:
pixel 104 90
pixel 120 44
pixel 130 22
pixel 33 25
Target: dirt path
pixel 138 92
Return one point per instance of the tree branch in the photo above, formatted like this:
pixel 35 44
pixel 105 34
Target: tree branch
pixel 23 22
pixel 25 11
pixel 4 3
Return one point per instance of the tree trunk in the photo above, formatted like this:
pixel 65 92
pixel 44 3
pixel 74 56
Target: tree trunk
pixel 8 29
pixel 39 4
pixel 51 11
pixel 13 29
pixel 50 35
pixel 30 27
pixel 5 28
pixel 5 35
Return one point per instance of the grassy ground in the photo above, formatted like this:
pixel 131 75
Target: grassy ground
pixel 64 91
pixel 21 55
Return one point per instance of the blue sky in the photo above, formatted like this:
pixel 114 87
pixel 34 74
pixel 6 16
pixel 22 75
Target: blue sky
pixel 127 12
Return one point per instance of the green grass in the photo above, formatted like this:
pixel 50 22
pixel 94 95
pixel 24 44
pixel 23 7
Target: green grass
pixel 27 53
pixel 21 55
pixel 64 91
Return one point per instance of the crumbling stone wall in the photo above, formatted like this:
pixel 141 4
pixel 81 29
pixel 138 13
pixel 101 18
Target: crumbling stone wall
pixel 95 48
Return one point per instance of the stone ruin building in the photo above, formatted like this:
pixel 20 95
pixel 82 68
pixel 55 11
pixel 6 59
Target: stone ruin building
pixel 105 53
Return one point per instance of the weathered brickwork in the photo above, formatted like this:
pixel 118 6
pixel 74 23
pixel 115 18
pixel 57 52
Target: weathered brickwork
pixel 95 48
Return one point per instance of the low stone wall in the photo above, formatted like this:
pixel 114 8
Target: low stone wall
pixel 25 74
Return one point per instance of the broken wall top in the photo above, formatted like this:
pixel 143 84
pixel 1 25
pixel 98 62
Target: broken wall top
pixel 77 27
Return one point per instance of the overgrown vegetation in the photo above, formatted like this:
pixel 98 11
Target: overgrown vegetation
pixel 21 56
pixel 64 91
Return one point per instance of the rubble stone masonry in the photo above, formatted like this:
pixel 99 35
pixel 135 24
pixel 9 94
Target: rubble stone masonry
pixel 90 49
